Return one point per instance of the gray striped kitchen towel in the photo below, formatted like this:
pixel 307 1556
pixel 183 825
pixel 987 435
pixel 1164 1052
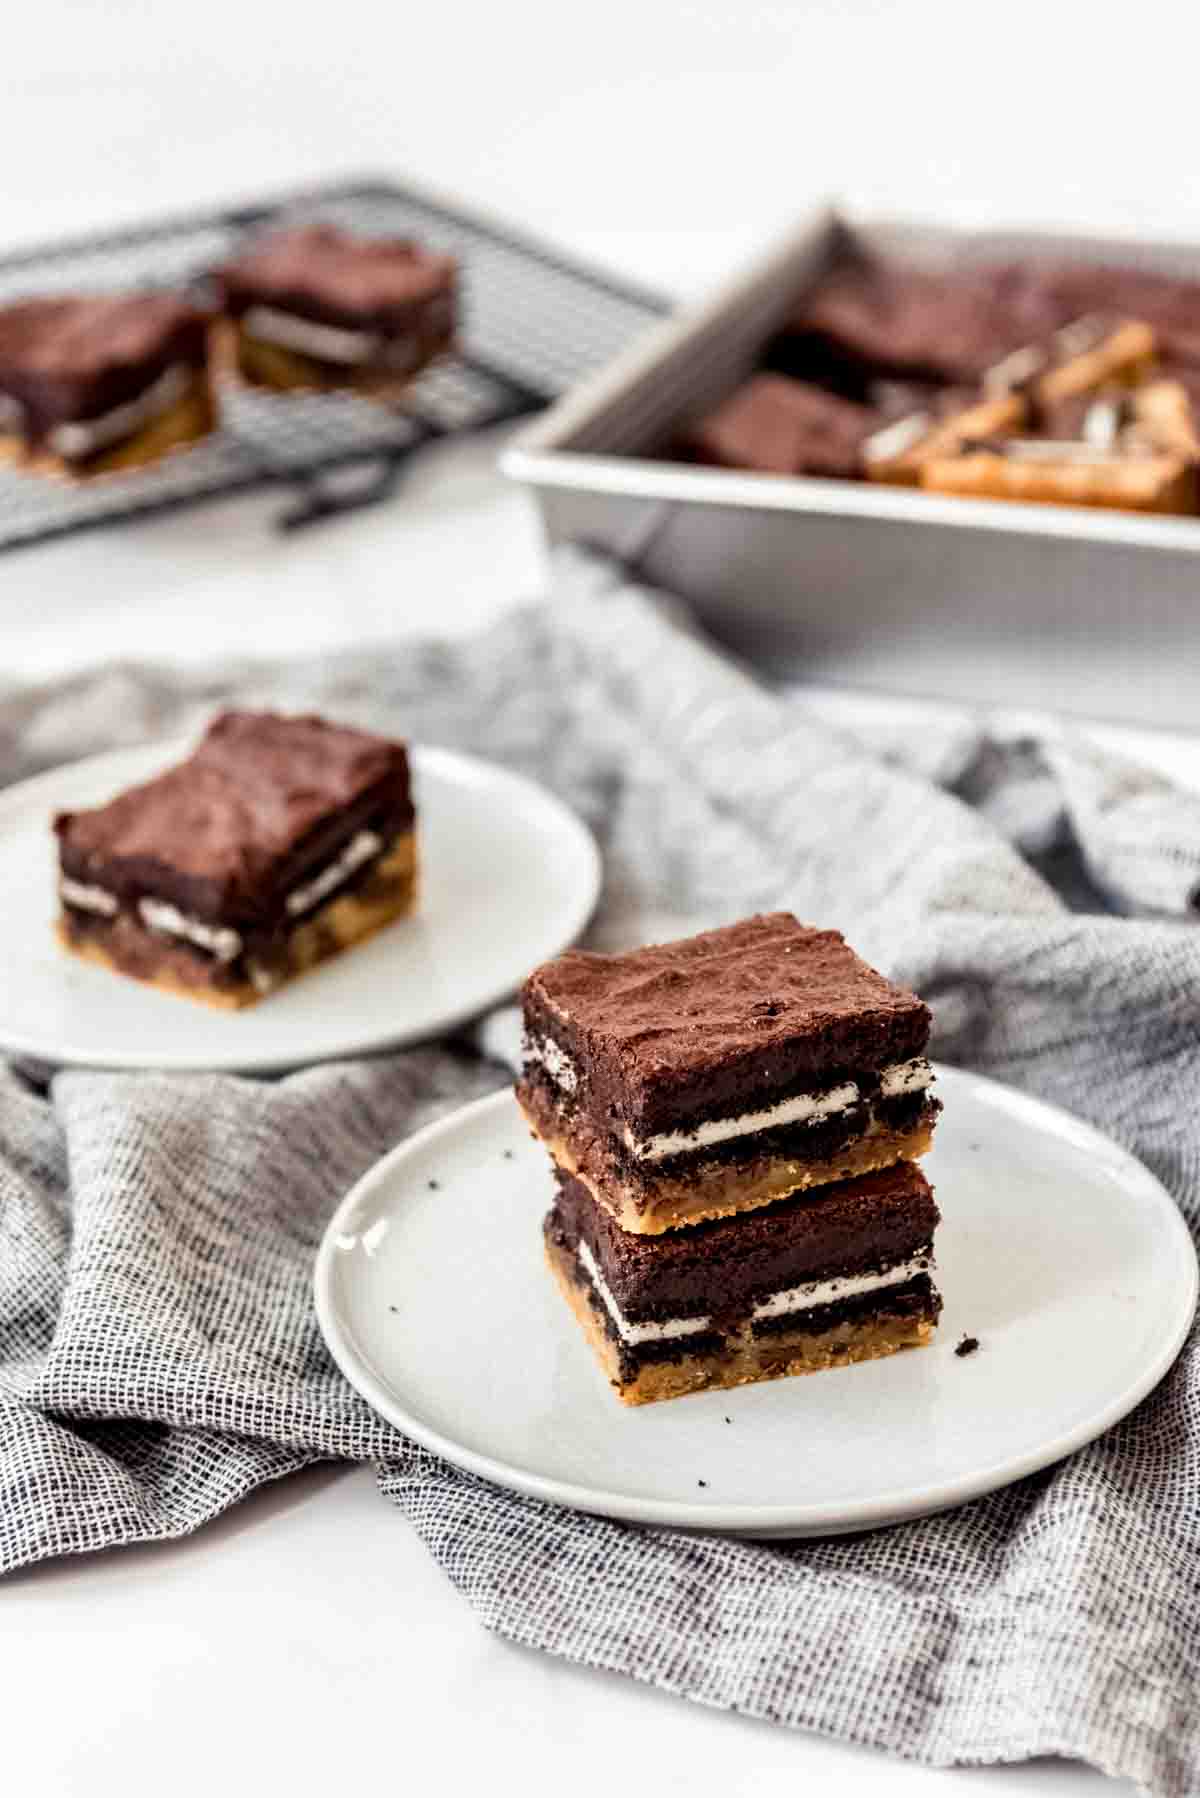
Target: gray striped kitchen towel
pixel 158 1353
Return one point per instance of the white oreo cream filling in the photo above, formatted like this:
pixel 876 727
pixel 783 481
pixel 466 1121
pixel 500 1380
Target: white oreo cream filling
pixel 329 343
pixel 556 1061
pixel 88 898
pixel 896 439
pixel 631 1332
pixel 802 1108
pixel 82 436
pixel 905 1077
pixel 832 1292
pixel 335 343
pixel 807 1297
pixel 355 855
pixel 218 939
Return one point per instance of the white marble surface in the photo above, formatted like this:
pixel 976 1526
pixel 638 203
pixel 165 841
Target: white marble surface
pixel 307 1639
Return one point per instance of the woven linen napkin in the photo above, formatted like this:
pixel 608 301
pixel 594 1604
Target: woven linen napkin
pixel 158 1352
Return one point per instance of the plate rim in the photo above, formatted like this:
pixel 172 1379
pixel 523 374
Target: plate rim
pixel 22 797
pixel 902 1505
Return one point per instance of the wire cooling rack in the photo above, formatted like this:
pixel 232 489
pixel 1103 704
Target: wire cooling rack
pixel 532 323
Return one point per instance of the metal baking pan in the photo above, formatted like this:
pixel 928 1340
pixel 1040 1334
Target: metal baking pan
pixel 850 583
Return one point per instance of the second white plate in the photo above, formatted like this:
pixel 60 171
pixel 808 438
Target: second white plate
pixel 1061 1253
pixel 509 878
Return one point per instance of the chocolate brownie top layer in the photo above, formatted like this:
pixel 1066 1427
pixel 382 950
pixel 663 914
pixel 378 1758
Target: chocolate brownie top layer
pixel 323 273
pixel 225 834
pixel 909 322
pixel 720 1268
pixel 1169 303
pixel 720 1022
pixel 872 319
pixel 781 426
pixel 77 358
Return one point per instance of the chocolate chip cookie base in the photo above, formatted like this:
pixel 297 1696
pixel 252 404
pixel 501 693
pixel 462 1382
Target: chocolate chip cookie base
pixel 746 1357
pixel 127 947
pixel 704 1188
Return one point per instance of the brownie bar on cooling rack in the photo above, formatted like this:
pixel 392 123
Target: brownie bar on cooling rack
pixel 92 384
pixel 319 308
pixel 279 842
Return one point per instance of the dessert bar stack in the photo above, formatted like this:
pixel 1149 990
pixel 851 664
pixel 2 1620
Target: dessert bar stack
pixel 734 1122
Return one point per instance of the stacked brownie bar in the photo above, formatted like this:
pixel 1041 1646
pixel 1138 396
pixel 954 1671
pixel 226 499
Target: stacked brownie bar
pixel 734 1121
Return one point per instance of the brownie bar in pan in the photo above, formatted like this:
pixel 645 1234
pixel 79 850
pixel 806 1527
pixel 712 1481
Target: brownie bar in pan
pixel 699 1079
pixel 1017 396
pixel 1098 430
pixel 279 842
pixel 782 427
pixel 95 383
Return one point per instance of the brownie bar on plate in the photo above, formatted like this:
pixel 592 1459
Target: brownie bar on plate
pixel 732 1120
pixel 279 842
pixel 825 1278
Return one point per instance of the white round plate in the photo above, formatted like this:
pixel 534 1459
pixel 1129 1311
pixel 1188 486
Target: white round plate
pixel 509 878
pixel 1061 1253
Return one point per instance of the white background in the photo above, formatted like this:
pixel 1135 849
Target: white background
pixel 307 1639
